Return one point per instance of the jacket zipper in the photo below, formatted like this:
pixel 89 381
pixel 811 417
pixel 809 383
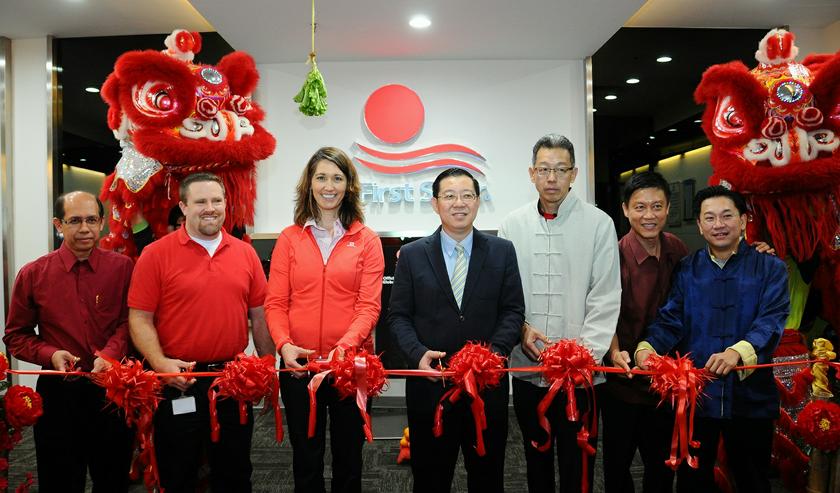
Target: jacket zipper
pixel 324 288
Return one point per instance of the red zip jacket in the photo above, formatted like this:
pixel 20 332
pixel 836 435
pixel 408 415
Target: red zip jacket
pixel 318 306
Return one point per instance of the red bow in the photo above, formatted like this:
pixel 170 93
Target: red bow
pixel 678 381
pixel 248 379
pixel 475 368
pixel 567 364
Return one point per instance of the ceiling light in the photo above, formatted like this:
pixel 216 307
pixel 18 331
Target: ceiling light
pixel 420 22
pixel 92 89
pixel 664 59
pixel 610 97
pixel 632 80
pixel 672 129
pixel 651 137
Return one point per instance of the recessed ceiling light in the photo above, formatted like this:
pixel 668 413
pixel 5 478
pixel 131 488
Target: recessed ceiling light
pixel 651 137
pixel 632 80
pixel 698 121
pixel 672 129
pixel 420 22
pixel 610 97
pixel 92 89
pixel 664 59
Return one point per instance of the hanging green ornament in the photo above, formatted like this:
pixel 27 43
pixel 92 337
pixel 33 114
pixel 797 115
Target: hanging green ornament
pixel 312 97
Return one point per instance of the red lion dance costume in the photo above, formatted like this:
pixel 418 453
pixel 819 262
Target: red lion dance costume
pixel 174 117
pixel 774 139
pixel 774 135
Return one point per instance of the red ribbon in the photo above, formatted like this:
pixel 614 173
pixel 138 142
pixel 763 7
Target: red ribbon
pixel 362 375
pixel 565 365
pixel 475 367
pixel 248 379
pixel 678 381
pixel 137 392
pixel 321 373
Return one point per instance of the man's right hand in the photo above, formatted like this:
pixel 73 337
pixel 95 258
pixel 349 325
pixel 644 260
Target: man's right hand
pixel 621 359
pixel 530 336
pixel 169 365
pixel 642 356
pixel 426 362
pixel 63 360
pixel 291 353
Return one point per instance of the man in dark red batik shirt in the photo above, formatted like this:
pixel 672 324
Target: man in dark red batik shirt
pixel 648 257
pixel 76 296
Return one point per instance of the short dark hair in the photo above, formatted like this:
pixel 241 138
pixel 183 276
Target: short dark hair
pixel 553 141
pixel 720 191
pixel 195 178
pixel 58 205
pixel 454 173
pixel 647 179
pixel 351 205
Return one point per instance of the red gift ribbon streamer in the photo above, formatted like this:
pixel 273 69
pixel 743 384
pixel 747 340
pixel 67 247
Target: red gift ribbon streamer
pixel 567 364
pixel 313 386
pixel 248 379
pixel 677 380
pixel 453 395
pixel 360 367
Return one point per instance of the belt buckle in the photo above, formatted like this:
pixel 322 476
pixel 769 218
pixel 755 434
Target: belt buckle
pixel 216 366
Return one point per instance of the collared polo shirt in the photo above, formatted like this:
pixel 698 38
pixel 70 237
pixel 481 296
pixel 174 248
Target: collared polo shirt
pixel 200 303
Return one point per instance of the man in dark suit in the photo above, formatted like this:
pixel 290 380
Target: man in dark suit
pixel 456 286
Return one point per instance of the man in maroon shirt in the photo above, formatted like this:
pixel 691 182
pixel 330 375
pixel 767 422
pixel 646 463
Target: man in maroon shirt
pixel 631 419
pixel 76 296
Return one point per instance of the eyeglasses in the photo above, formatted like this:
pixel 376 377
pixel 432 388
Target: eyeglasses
pixel 76 221
pixel 466 197
pixel 543 171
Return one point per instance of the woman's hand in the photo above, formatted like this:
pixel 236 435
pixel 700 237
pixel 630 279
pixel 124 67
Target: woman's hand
pixel 290 354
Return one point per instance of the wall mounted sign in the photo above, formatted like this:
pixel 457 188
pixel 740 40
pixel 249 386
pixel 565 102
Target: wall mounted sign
pixel 394 115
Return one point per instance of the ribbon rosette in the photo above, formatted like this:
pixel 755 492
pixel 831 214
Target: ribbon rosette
pixel 475 368
pixel 248 379
pixel 678 381
pixel 137 392
pixel 359 373
pixel 565 365
pixel 819 425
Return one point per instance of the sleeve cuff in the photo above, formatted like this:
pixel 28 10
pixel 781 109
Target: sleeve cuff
pixel 642 345
pixel 748 357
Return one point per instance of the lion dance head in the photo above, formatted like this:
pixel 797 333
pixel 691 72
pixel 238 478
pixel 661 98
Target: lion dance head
pixel 774 134
pixel 174 117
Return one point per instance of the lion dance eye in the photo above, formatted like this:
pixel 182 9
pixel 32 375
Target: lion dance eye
pixel 155 98
pixel 162 101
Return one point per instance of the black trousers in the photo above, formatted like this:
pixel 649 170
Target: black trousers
pixel 627 427
pixel 182 441
pixel 80 431
pixel 747 443
pixel 433 458
pixel 346 436
pixel 526 398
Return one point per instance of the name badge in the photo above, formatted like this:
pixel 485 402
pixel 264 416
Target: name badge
pixel 183 405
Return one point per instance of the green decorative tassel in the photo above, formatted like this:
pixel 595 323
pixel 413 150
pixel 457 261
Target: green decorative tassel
pixel 313 95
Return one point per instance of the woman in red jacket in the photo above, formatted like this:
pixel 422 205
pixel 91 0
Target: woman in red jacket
pixel 324 293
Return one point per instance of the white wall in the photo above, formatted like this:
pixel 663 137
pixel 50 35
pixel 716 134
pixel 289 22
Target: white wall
pixel 30 185
pixel 498 108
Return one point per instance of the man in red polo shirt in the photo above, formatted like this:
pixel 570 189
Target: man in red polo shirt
pixel 190 299
pixel 76 297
